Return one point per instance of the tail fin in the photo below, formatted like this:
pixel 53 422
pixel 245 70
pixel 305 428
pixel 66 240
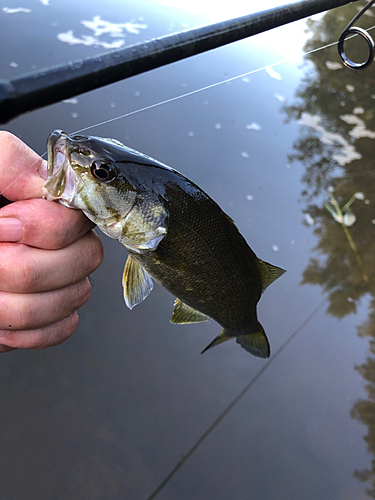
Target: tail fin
pixel 222 337
pixel 255 343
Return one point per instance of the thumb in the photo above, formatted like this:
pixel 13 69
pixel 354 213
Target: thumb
pixel 20 169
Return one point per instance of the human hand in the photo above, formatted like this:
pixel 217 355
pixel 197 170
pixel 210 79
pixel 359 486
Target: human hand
pixel 47 252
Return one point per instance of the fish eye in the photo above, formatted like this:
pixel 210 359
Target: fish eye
pixel 102 172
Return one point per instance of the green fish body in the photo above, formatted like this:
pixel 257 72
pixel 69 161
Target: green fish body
pixel 174 232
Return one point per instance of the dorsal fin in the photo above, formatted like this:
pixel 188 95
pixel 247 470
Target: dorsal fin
pixel 231 220
pixel 269 273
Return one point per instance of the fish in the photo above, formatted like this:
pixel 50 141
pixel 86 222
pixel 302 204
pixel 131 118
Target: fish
pixel 174 232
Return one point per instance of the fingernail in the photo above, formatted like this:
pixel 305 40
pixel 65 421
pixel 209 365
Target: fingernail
pixel 3 332
pixel 10 229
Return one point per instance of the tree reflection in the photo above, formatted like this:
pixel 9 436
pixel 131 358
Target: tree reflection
pixel 336 109
pixel 364 409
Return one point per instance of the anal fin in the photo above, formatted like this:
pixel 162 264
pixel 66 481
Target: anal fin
pixel 184 314
pixel 136 282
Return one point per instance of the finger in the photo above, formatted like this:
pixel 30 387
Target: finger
pixel 22 311
pixel 21 169
pixel 42 337
pixel 36 270
pixel 4 348
pixel 44 224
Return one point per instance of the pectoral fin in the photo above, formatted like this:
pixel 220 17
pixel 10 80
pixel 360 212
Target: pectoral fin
pixel 136 282
pixel 269 273
pixel 185 314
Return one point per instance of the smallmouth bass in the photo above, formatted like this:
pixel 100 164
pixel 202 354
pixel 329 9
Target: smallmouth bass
pixel 173 231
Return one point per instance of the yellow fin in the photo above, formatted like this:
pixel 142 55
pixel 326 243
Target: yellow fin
pixel 269 273
pixel 255 343
pixel 136 282
pixel 222 337
pixel 185 314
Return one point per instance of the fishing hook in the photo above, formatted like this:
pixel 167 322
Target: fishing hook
pixel 350 29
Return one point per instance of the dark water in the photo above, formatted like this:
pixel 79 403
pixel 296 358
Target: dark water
pixel 112 411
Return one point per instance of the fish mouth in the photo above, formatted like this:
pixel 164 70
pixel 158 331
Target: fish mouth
pixel 62 182
pixel 56 149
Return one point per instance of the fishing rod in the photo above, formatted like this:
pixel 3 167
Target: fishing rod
pixel 50 85
pixel 350 30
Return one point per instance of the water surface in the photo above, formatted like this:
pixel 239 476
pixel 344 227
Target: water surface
pixel 112 411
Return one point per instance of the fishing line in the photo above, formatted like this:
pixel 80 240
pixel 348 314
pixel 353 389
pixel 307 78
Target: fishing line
pixel 278 352
pixel 213 85
pixel 21 175
pixel 15 180
pixel 231 405
pixel 292 336
pixel 172 99
pixel 193 92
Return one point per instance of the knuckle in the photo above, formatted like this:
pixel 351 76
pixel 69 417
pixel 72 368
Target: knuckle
pixel 66 226
pixel 58 332
pixel 89 254
pixel 63 228
pixel 16 313
pixel 35 340
pixel 21 340
pixel 24 316
pixel 5 348
pixel 41 338
pixel 95 248
pixel 70 325
pixel 8 139
pixel 28 276
pixel 84 292
pixel 18 272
